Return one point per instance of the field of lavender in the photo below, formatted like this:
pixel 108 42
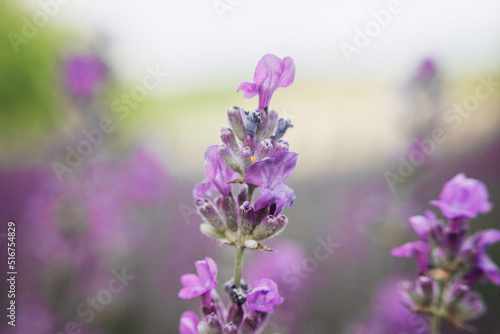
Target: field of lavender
pixel 239 167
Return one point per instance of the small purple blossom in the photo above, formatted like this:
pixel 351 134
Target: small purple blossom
pixel 196 285
pixel 84 74
pixel 463 197
pixel 264 296
pixel 481 264
pixel 269 175
pixel 271 72
pixel 189 323
pixel 217 174
pixel 426 227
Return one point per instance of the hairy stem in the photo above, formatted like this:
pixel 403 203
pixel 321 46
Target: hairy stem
pixel 435 324
pixel 238 265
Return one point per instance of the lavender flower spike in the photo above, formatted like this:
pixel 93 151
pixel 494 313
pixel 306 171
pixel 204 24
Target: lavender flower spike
pixel 196 285
pixel 188 323
pixel 271 72
pixel 463 197
pixel 265 296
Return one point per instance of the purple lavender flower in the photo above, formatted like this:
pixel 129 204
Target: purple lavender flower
pixel 425 227
pixel 269 175
pixel 264 296
pixel 388 315
pixel 463 197
pixel 481 266
pixel 271 72
pixel 217 175
pixel 189 323
pixel 84 74
pixel 196 285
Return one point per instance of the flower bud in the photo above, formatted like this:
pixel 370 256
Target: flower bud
pixel 210 231
pixel 242 196
pixel 282 145
pixel 246 221
pixel 251 120
pixel 236 121
pixel 213 324
pixel 269 120
pixel 265 150
pixel 253 322
pixel 210 215
pixel 230 328
pixel 227 207
pixel 230 158
pixel 265 229
pixel 280 224
pixel 425 286
pixel 283 125
pixel 235 314
pixel 245 158
pixel 229 139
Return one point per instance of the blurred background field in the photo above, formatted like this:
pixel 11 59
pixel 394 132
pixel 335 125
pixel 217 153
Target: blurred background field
pixel 128 204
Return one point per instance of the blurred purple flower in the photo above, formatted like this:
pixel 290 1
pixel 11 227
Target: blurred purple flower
pixel 189 323
pixel 217 174
pixel 426 71
pixel 264 296
pixel 269 175
pixel 481 265
pixel 463 197
pixel 424 226
pixel 271 72
pixel 387 315
pixel 205 281
pixel 84 74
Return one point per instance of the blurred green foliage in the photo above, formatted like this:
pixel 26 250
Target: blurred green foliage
pixel 29 77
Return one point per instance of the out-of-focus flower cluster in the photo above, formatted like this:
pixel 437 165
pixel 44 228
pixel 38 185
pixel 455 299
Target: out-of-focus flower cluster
pixel 449 261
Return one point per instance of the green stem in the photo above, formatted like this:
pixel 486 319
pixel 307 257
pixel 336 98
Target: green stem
pixel 435 324
pixel 238 266
pixel 251 189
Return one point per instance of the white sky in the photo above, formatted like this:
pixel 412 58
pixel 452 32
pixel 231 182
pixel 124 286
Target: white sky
pixel 188 38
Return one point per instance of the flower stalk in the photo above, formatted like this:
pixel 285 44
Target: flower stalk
pixel 252 156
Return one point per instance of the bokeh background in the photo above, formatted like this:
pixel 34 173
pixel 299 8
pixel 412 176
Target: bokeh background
pixel 158 76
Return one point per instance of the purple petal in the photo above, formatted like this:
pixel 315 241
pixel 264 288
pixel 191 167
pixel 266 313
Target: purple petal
pixel 271 72
pixel 489 269
pixel 288 72
pixel 249 89
pixel 204 189
pixel 264 296
pixel 216 170
pixel 207 273
pixel 486 238
pixel 418 249
pixel 188 323
pixel 271 172
pixel 463 197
